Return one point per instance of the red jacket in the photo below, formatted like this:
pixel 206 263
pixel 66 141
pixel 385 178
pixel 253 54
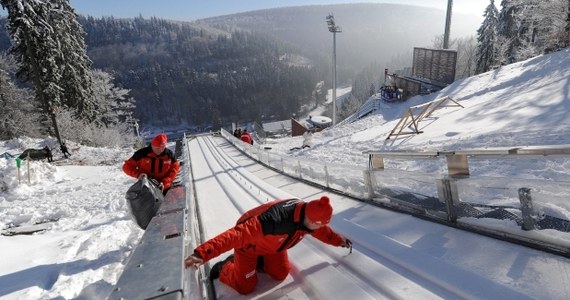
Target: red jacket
pixel 246 137
pixel 272 227
pixel 163 167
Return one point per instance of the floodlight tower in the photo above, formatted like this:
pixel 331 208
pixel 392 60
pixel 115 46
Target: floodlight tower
pixel 334 29
pixel 447 25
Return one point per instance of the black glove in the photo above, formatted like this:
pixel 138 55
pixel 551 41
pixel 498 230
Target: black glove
pixel 347 244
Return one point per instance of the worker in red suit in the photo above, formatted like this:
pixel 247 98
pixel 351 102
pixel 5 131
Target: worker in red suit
pixel 260 240
pixel 246 137
pixel 155 161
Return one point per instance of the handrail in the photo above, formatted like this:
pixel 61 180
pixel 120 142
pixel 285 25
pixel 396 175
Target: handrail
pixel 453 199
pixel 457 161
pixel 529 150
pixel 369 106
pixel 155 269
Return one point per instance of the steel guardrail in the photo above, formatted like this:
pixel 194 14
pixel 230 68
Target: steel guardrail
pixel 155 269
pixel 453 199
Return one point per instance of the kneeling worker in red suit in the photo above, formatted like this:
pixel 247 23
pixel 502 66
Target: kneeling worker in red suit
pixel 260 240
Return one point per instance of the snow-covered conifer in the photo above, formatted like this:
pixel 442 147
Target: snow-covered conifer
pixel 48 45
pixel 112 103
pixel 486 39
pixel 72 58
pixel 508 24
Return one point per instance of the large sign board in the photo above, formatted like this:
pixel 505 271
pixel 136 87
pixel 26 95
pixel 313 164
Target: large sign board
pixel 434 64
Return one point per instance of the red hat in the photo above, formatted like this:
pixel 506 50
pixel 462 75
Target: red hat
pixel 319 211
pixel 159 140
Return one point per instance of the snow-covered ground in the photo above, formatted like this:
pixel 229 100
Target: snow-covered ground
pixel 341 95
pixel 91 235
pixel 522 104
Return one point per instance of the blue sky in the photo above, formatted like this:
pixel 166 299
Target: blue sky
pixel 187 10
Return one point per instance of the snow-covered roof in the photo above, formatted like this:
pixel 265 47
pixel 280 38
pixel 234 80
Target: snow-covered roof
pixel 277 126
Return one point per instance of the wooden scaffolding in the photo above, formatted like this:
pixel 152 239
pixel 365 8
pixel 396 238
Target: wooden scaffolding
pixel 415 114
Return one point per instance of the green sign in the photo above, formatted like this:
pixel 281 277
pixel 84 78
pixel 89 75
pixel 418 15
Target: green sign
pixel 18 162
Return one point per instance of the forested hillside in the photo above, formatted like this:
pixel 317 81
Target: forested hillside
pixel 181 72
pixel 251 65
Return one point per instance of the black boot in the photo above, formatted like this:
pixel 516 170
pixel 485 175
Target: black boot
pixel 217 267
pixel 260 264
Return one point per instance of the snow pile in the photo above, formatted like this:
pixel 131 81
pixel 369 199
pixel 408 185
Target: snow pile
pixel 90 232
pixel 522 104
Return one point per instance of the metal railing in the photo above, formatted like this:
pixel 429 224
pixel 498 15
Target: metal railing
pixel 524 206
pixel 368 107
pixel 155 270
pixel 457 161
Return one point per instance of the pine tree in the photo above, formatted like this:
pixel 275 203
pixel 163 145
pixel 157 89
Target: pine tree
pixel 527 28
pixel 508 29
pixel 35 50
pixel 486 39
pixel 48 45
pixel 551 21
pixel 76 80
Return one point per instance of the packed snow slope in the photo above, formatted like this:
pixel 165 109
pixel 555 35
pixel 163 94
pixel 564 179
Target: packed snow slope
pixel 522 104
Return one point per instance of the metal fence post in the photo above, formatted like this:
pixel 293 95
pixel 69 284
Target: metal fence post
pixel 526 209
pixel 327 176
pixel 448 192
pixel 368 181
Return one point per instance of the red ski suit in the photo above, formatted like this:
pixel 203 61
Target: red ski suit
pixel 163 167
pixel 246 137
pixel 267 231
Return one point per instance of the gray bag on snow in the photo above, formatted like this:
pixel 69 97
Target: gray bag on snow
pixel 144 198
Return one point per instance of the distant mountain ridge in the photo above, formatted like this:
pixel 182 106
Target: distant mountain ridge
pixel 370 31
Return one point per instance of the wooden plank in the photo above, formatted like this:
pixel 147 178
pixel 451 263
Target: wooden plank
pixel 457 165
pixel 26 229
pixel 376 161
pixel 402 124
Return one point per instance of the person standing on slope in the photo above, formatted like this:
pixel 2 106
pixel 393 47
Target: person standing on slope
pixel 155 161
pixel 64 150
pixel 260 240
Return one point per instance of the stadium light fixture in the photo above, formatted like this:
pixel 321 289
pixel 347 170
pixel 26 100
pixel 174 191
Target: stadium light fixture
pixel 334 29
